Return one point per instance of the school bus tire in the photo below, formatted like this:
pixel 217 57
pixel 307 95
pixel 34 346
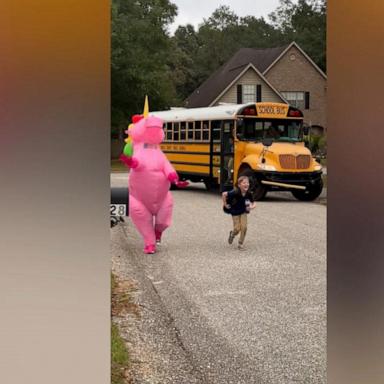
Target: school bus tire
pixel 257 189
pixel 310 193
pixel 210 185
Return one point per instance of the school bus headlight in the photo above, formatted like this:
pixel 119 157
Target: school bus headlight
pixel 318 167
pixel 267 167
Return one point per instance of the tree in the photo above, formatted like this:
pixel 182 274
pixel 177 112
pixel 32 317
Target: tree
pixel 257 33
pixel 218 42
pixel 305 23
pixel 139 58
pixel 185 50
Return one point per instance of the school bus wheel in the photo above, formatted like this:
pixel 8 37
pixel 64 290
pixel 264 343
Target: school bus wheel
pixel 310 193
pixel 210 184
pixel 257 189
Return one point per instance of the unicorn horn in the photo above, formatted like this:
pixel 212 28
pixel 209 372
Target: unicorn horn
pixel 146 107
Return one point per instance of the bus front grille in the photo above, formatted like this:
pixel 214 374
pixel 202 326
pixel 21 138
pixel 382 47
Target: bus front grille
pixel 303 161
pixel 295 162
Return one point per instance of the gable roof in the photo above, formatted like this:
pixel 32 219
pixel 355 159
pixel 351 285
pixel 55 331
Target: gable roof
pixel 245 69
pixel 294 44
pixel 261 59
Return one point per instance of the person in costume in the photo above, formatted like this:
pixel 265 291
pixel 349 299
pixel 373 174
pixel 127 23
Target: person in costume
pixel 150 201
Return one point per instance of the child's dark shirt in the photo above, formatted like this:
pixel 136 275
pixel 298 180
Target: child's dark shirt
pixel 237 201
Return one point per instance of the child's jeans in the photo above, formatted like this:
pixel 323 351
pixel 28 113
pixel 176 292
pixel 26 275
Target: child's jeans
pixel 240 226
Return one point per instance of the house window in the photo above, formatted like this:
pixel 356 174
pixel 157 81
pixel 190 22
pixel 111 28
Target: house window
pixel 296 99
pixel 249 93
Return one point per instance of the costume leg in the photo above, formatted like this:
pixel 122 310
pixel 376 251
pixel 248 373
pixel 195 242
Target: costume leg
pixel 143 220
pixel 163 219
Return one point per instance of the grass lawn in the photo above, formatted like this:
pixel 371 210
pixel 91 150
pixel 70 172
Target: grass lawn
pixel 120 302
pixel 119 357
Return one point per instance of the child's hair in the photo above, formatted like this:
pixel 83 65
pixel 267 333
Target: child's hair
pixel 239 180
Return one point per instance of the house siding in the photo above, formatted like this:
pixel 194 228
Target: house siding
pixel 300 75
pixel 249 77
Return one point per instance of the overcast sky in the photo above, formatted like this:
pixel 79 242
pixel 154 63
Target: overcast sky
pixel 194 11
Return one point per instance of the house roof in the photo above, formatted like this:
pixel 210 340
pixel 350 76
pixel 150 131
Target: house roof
pixel 293 44
pixel 228 72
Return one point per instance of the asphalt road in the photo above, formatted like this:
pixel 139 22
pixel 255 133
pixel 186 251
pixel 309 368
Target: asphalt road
pixel 214 314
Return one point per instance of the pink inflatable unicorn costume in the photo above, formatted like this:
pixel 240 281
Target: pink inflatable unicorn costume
pixel 150 201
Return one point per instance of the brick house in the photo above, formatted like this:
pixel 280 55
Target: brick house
pixel 282 74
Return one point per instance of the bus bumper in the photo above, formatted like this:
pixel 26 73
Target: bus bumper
pixel 291 180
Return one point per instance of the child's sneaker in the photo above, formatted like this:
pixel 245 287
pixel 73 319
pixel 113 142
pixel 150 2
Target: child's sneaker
pixel 241 247
pixel 231 237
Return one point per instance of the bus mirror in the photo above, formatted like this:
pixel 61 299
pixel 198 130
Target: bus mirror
pixel 267 141
pixel 240 135
pixel 306 130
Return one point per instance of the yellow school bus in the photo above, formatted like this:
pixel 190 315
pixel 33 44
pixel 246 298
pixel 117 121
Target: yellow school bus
pixel 264 141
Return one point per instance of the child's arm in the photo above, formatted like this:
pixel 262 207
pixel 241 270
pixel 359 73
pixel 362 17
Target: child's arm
pixel 224 196
pixel 253 205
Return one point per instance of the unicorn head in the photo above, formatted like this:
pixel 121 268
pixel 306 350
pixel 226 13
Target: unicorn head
pixel 147 130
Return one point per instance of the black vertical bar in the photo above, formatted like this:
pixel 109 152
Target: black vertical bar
pixel 239 94
pixel 258 93
pixel 306 100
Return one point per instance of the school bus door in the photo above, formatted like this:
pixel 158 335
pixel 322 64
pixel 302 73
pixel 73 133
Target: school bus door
pixel 226 156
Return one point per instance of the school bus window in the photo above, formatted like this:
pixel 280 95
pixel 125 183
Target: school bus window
pixel 227 127
pixel 190 130
pixel 168 131
pixel 250 132
pixel 176 128
pixel 206 130
pixel 198 130
pixel 258 125
pixel 182 131
pixel 215 127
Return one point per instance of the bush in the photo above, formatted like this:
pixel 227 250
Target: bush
pixel 317 145
pixel 323 146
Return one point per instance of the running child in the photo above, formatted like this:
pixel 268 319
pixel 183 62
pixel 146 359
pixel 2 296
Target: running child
pixel 239 202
